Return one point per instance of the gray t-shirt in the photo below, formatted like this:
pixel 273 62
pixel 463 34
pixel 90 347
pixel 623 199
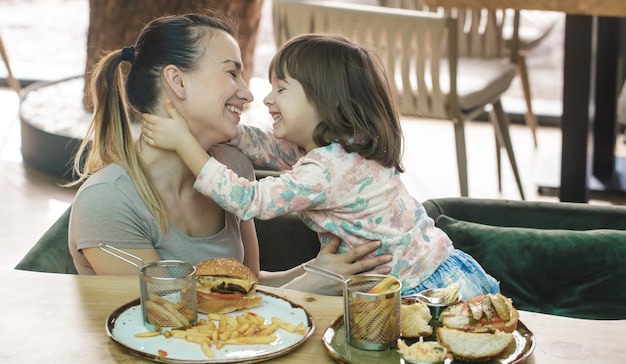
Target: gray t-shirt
pixel 108 209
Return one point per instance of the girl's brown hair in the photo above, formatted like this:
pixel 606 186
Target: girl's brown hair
pixel 176 40
pixel 348 86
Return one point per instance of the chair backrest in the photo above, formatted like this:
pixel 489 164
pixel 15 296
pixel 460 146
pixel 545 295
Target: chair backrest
pixel 480 31
pixel 410 44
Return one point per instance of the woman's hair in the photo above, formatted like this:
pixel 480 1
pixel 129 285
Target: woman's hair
pixel 348 86
pixel 169 40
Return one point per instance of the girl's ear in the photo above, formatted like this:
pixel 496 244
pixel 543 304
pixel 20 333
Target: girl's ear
pixel 174 81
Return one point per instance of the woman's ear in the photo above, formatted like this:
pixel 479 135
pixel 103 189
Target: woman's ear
pixel 174 81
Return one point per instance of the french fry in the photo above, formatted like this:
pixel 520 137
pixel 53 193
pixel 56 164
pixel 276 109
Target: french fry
pixel 384 285
pixel 161 316
pixel 148 334
pixel 284 324
pixel 269 329
pixel 250 331
pixel 206 349
pixel 301 329
pixel 254 316
pixel 179 334
pixel 215 337
pixel 196 337
pixel 251 340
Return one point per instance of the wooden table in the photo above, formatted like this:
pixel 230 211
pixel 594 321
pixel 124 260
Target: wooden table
pixel 591 80
pixel 56 318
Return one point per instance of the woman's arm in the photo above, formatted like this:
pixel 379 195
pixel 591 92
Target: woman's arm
pixel 347 264
pixel 104 263
pixel 250 246
pixel 91 223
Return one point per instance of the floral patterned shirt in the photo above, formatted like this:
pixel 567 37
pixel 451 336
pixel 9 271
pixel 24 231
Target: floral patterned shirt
pixel 333 191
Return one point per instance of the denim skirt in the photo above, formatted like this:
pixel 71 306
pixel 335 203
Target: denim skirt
pixel 463 269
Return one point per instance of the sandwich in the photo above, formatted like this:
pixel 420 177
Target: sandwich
pixel 415 319
pixel 486 313
pixel 478 329
pixel 471 346
pixel 225 285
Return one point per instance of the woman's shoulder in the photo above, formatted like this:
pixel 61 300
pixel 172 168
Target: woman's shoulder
pixel 112 173
pixel 234 159
pixel 108 184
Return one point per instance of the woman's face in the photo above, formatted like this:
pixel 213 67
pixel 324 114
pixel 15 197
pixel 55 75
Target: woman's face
pixel 295 118
pixel 216 92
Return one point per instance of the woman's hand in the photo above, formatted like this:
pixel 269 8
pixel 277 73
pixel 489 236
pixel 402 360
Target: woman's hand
pixel 350 263
pixel 347 264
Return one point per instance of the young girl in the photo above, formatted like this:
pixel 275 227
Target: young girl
pixel 337 136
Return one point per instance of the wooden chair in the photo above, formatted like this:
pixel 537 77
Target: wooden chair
pixel 533 27
pixel 436 69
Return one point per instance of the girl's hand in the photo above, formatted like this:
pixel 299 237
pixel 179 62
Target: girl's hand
pixel 163 133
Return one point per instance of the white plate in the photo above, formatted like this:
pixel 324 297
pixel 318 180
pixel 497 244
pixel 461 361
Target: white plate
pixel 127 320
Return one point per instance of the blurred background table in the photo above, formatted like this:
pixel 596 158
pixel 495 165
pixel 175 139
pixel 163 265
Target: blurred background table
pixel 595 34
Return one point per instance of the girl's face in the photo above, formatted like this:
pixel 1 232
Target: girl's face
pixel 294 116
pixel 216 92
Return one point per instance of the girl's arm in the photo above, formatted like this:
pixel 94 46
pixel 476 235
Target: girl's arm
pixel 263 149
pixel 303 188
pixel 174 134
pixel 299 189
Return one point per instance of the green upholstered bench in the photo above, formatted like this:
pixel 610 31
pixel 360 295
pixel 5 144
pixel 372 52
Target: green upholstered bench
pixel 555 258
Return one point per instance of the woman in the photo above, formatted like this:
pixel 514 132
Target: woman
pixel 141 199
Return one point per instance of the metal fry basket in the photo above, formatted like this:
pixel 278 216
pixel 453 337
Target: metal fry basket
pixel 168 290
pixel 372 320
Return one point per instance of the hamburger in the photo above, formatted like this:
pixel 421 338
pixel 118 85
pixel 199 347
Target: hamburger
pixel 225 285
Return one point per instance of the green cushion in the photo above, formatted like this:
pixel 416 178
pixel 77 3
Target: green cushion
pixel 529 214
pixel 561 272
pixel 51 253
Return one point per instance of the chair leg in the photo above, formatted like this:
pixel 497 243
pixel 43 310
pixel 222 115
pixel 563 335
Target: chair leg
pixel 461 156
pixel 501 123
pixel 498 154
pixel 11 80
pixel 530 117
